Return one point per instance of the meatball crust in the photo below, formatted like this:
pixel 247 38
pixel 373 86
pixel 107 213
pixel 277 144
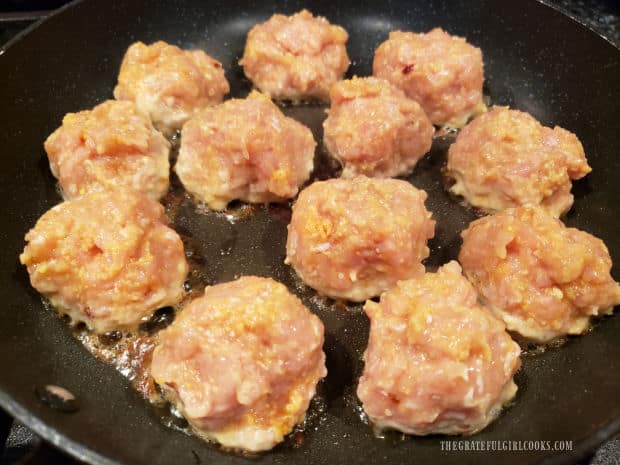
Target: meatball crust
pixel 442 72
pixel 374 129
pixel 242 362
pixel 505 158
pixel 542 278
pixel 244 149
pixel 355 238
pixel 106 259
pixel 170 84
pixel 295 57
pixel 436 361
pixel 113 145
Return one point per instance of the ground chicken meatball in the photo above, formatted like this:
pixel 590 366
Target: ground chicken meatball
pixel 436 361
pixel 106 259
pixel 113 145
pixel 295 57
pixel 442 72
pixel 242 362
pixel 373 129
pixel 355 238
pixel 542 278
pixel 170 84
pixel 244 149
pixel 506 158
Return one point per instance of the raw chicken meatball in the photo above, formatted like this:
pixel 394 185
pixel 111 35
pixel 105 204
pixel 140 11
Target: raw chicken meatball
pixel 106 259
pixel 506 158
pixel 436 361
pixel 113 145
pixel 244 149
pixel 442 72
pixel 242 362
pixel 542 278
pixel 355 238
pixel 295 57
pixel 373 129
pixel 170 84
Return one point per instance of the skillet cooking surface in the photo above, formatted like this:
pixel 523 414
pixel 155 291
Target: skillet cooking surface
pixel 536 60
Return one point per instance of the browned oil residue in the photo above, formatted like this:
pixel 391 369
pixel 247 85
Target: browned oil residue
pixel 129 353
pixel 529 348
pixel 446 132
pixel 297 439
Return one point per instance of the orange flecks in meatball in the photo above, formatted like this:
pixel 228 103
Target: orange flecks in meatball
pixel 506 158
pixel 542 278
pixel 442 72
pixel 244 149
pixel 170 84
pixel 437 362
pixel 106 259
pixel 373 129
pixel 354 238
pixel 113 145
pixel 295 57
pixel 242 362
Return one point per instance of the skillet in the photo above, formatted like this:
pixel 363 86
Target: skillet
pixel 536 60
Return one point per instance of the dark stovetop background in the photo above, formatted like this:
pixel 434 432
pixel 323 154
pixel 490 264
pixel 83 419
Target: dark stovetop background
pixel 21 446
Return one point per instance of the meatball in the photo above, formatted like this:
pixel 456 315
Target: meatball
pixel 242 362
pixel 542 278
pixel 373 129
pixel 170 84
pixel 442 72
pixel 244 149
pixel 106 259
pixel 355 238
pixel 113 145
pixel 295 57
pixel 436 361
pixel 506 158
